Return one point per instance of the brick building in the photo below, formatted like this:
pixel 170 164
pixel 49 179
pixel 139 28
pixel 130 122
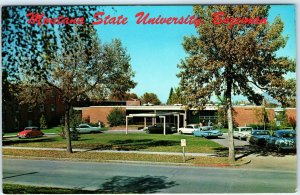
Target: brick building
pixel 15 116
pixel 242 115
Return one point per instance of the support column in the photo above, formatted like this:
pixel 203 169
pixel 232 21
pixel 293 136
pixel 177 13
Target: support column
pixel 178 120
pixel 127 124
pixel 145 122
pixel 164 119
pixel 184 118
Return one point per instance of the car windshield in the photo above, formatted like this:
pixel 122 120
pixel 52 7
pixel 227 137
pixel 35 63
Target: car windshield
pixel 287 135
pixel 262 133
pixel 246 129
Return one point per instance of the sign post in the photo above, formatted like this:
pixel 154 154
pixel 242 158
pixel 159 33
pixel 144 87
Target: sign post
pixel 183 144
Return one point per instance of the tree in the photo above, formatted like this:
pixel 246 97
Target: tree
pixel 150 98
pixel 123 96
pixel 23 42
pixel 233 60
pixel 116 117
pixel 79 68
pixel 169 101
pixel 69 60
pixel 222 119
pixel 43 122
pixel 287 95
pixel 177 97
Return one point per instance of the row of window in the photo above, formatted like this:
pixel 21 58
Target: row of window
pixel 42 108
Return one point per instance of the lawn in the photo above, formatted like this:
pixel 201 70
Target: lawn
pixel 55 130
pixel 136 142
pixel 26 189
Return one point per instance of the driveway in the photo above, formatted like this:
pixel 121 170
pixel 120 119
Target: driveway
pixel 223 140
pixel 261 159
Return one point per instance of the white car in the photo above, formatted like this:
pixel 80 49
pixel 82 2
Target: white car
pixel 189 129
pixel 242 132
pixel 86 128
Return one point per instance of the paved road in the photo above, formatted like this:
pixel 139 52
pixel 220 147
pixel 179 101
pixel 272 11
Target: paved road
pixel 136 178
pixel 223 140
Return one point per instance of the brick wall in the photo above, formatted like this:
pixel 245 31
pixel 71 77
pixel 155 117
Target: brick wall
pixel 97 113
pixel 246 115
pixel 133 103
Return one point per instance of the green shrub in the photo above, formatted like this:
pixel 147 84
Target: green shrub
pixel 116 117
pixel 43 122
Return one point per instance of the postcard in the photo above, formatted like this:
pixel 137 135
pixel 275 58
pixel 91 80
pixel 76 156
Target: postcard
pixel 119 99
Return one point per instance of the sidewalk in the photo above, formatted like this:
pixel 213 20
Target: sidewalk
pixel 111 151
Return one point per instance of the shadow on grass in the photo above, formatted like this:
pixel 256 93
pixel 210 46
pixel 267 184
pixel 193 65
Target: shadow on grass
pixel 136 185
pixel 243 151
pixel 130 144
pixel 25 141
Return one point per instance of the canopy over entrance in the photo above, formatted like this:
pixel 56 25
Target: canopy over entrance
pixel 154 116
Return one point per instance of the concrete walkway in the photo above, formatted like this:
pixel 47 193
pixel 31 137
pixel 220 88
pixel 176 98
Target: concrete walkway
pixel 111 151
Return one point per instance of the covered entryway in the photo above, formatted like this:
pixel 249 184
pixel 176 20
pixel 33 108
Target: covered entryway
pixel 154 116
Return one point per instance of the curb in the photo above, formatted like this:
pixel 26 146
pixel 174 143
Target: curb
pixel 129 162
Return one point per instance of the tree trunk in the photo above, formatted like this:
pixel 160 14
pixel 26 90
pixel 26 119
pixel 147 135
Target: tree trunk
pixel 67 128
pixel 231 152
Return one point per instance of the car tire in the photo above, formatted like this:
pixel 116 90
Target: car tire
pixel 180 132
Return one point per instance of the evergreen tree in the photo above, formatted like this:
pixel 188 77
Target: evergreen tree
pixel 169 101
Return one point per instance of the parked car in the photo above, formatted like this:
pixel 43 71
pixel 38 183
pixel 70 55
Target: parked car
pixel 86 128
pixel 159 128
pixel 242 132
pixel 188 129
pixel 30 132
pixel 282 139
pixel 259 137
pixel 207 131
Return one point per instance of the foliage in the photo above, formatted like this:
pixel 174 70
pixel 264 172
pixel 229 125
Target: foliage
pixel 234 61
pixel 169 101
pixel 116 117
pixel 117 96
pixel 75 118
pixel 150 98
pixel 262 116
pixel 137 142
pixel 221 114
pixel 293 122
pixel 176 97
pixel 67 59
pixel 43 122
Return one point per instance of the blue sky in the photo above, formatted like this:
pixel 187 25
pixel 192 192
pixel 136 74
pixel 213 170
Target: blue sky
pixel 156 50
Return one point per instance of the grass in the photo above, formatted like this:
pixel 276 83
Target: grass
pixel 55 130
pixel 26 189
pixel 137 142
pixel 100 157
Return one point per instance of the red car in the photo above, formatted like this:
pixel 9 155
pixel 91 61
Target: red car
pixel 30 132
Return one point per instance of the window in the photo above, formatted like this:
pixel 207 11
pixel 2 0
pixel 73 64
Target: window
pixel 29 109
pixel 29 122
pixel 52 107
pixel 42 108
pixel 17 123
pixel 17 109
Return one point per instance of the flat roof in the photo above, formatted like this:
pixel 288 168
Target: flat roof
pixel 153 114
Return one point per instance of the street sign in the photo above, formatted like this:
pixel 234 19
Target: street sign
pixel 183 142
